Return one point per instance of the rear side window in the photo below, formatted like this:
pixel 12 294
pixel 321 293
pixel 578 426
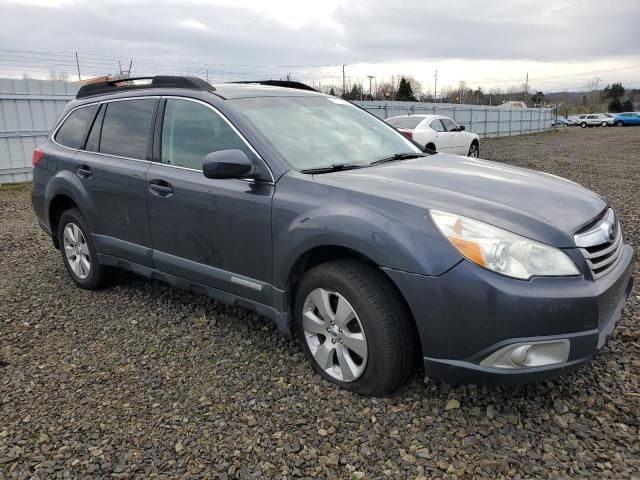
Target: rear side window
pixel 125 128
pixel 437 125
pixel 71 133
pixel 405 122
pixel 190 131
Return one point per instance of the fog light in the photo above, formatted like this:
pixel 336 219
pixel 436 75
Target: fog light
pixel 529 354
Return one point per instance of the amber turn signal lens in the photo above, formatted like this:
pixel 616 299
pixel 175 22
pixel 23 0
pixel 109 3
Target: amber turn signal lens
pixel 469 249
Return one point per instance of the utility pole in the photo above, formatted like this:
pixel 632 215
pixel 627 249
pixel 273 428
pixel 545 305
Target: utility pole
pixel 371 77
pixel 130 65
pixel 344 82
pixel 596 81
pixel 78 65
pixel 435 87
pixel 526 91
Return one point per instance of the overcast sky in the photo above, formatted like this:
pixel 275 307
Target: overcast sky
pixel 562 44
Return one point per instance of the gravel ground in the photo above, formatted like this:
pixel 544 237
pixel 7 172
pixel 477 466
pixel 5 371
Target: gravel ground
pixel 143 380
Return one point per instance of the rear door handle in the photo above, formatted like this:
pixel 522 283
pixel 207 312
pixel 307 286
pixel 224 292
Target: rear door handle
pixel 160 188
pixel 84 171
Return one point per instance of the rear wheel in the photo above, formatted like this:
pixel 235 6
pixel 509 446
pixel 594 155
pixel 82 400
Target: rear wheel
pixel 474 150
pixel 583 124
pixel 79 252
pixel 604 124
pixel 619 123
pixel 430 146
pixel 354 328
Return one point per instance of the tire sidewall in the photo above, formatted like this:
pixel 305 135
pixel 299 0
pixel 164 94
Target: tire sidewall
pixel 74 216
pixel 330 281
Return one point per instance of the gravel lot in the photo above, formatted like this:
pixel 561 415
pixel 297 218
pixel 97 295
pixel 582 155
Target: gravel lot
pixel 142 380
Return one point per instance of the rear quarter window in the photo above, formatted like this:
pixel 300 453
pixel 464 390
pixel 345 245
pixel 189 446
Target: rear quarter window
pixel 72 131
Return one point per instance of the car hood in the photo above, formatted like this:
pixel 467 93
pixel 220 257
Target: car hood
pixel 537 205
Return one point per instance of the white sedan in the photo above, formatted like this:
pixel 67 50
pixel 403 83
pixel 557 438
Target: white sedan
pixel 437 132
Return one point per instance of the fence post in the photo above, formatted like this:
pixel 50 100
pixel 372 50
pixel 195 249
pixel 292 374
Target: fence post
pixel 471 119
pixel 486 121
pixel 510 120
pixel 521 121
pixel 498 132
pixel 386 111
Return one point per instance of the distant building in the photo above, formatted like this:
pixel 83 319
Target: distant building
pixel 513 104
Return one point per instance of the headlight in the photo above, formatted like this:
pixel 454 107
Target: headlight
pixel 501 251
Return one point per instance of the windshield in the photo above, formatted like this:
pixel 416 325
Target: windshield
pixel 405 122
pixel 314 132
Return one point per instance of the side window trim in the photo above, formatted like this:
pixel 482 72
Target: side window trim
pixel 158 136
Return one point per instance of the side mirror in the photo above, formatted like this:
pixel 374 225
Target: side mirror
pixel 461 128
pixel 227 164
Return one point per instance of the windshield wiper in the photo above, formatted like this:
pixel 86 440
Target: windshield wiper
pixel 398 156
pixel 336 167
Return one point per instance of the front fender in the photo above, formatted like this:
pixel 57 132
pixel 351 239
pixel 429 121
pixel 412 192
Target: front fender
pixel 392 234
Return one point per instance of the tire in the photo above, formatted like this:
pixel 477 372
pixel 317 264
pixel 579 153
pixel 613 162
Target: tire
pixel 619 123
pixel 76 242
pixel 377 326
pixel 474 150
pixel 583 124
pixel 431 147
pixel 604 124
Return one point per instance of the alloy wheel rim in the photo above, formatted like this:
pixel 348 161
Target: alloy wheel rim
pixel 334 335
pixel 76 250
pixel 474 151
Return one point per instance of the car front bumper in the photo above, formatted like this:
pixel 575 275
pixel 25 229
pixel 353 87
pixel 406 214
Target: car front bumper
pixel 469 313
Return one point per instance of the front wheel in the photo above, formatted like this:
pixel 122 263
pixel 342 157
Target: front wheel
pixel 354 328
pixel 604 124
pixel 474 150
pixel 583 124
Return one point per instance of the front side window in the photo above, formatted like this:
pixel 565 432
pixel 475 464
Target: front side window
pixel 316 132
pixel 71 133
pixel 190 131
pixel 449 124
pixel 126 127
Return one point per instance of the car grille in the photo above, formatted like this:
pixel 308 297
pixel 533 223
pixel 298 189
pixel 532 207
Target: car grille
pixel 601 244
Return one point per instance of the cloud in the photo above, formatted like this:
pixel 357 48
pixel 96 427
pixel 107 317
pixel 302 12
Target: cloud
pixel 253 38
pixel 195 24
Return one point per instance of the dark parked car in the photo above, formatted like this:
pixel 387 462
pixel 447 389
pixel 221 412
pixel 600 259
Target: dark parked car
pixel 314 213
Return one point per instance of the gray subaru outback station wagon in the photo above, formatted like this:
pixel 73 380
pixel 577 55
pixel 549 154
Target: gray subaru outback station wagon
pixel 378 257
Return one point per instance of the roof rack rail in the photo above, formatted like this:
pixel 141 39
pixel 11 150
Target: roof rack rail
pixel 280 83
pixel 159 81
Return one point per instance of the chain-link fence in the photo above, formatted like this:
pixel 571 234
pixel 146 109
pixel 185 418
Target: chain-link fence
pixel 28 109
pixel 480 119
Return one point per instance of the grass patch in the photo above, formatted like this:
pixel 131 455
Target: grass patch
pixel 15 187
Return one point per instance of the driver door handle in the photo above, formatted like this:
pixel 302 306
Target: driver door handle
pixel 160 188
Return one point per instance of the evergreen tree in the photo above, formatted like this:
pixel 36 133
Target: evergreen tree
pixel 615 105
pixel 332 92
pixel 627 106
pixel 405 92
